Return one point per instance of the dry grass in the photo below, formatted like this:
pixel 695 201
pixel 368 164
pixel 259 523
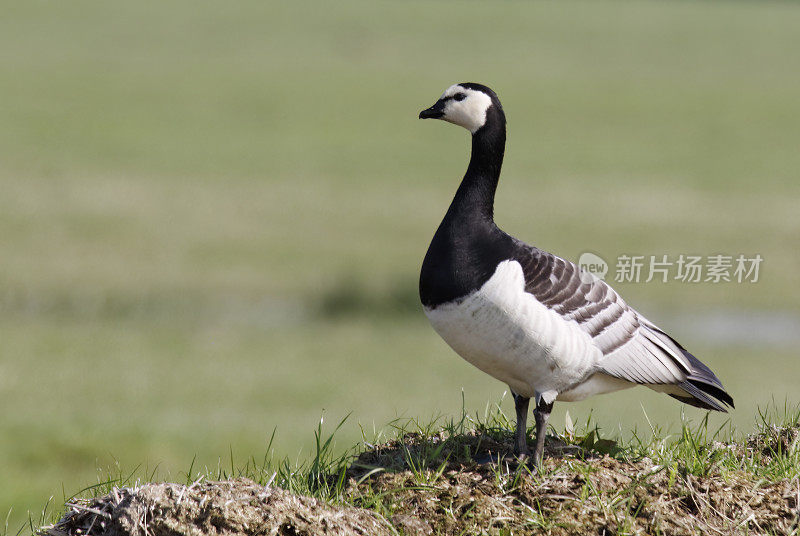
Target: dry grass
pixel 232 507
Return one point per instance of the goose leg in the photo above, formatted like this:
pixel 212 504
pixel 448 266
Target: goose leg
pixel 541 414
pixel 521 449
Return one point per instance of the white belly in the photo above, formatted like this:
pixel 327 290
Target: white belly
pixel 507 333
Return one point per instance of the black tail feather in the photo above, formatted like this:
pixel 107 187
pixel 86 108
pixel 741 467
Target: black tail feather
pixel 704 388
pixel 698 398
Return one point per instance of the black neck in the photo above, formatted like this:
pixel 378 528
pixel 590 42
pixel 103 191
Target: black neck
pixel 475 195
pixel 468 245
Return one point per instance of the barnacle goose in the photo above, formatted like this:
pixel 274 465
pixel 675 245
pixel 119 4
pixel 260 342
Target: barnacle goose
pixel 527 317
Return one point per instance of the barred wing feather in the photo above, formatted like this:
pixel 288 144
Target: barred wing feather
pixel 632 347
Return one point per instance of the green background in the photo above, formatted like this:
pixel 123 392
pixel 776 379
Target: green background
pixel 213 214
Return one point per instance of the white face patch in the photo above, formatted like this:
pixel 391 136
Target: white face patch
pixel 470 112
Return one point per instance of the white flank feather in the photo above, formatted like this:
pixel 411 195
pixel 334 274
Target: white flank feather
pixel 507 333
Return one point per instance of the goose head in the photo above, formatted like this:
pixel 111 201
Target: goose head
pixel 466 104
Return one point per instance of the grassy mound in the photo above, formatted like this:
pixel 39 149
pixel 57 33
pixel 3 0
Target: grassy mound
pixel 583 492
pixel 425 480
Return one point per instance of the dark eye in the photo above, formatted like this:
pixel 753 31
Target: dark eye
pixel 459 96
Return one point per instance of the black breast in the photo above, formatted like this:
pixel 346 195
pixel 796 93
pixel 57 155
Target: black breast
pixel 462 256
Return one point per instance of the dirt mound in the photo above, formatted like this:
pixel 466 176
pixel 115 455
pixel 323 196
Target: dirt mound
pixel 425 484
pixel 223 508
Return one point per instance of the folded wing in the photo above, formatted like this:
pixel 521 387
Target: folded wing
pixel 633 348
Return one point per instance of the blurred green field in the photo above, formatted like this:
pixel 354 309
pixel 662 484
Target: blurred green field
pixel 213 215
